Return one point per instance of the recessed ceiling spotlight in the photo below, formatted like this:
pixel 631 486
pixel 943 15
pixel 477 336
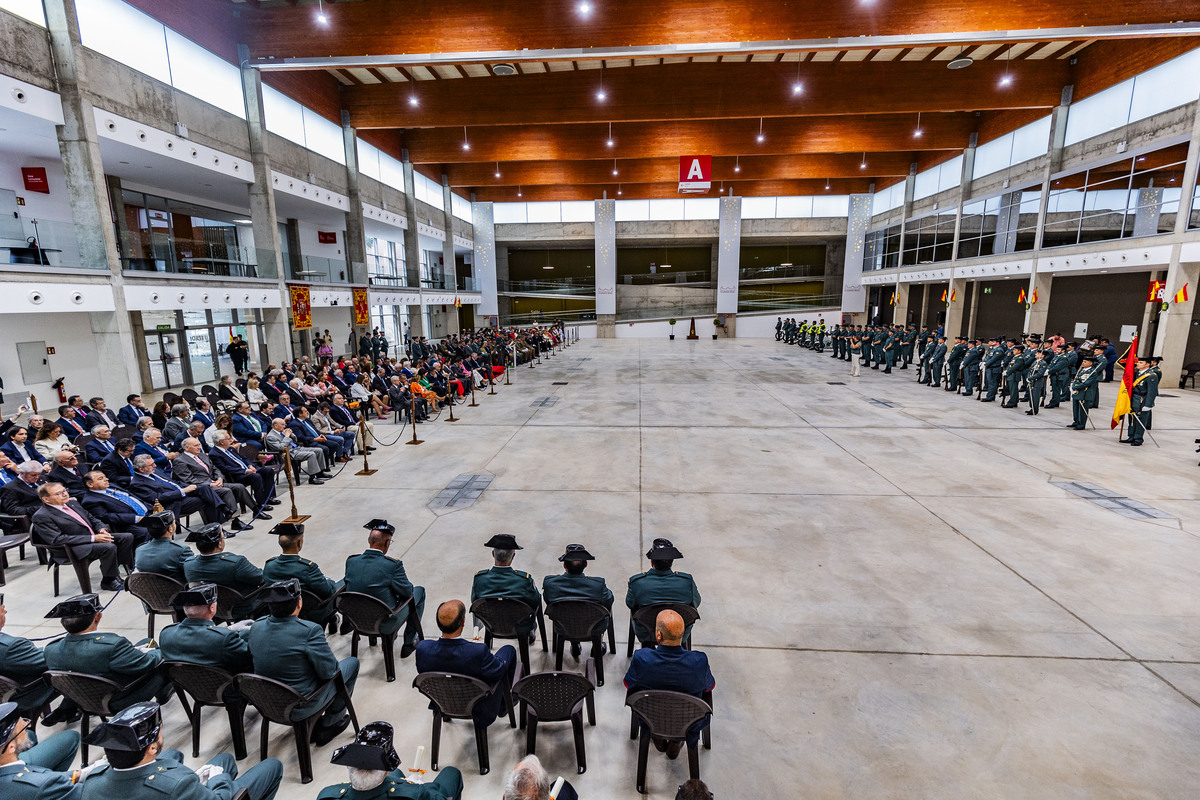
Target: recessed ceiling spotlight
pixel 497 169
pixel 518 191
pixel 585 8
pixel 863 165
pixel 321 18
pixel 618 188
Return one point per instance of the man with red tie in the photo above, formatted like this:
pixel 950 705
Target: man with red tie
pixel 63 522
pixel 68 420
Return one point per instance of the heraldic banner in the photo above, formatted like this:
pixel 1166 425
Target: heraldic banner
pixel 301 306
pixel 362 311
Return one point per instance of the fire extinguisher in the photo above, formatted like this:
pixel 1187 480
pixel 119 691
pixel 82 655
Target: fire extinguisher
pixel 62 393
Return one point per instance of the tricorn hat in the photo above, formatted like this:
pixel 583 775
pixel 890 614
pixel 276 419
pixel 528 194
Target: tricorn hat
pixel 663 550
pixel 157 523
pixel 288 529
pixel 576 552
pixel 206 534
pixel 78 606
pixel 380 525
pixel 372 749
pixel 130 730
pixel 202 594
pixel 503 541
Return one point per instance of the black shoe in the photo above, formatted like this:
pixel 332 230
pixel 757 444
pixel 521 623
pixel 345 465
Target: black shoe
pixel 264 516
pixel 112 584
pixel 273 503
pixel 345 628
pixel 371 449
pixel 1124 441
pixel 1135 444
pixel 238 525
pixel 575 650
pixel 67 713
pixel 324 734
pixel 1030 412
pixel 887 372
pixel 673 749
pixel 326 474
pixel 315 481
pixel 408 649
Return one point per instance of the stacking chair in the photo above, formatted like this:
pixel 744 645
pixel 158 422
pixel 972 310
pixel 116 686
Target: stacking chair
pixel 17 538
pixel 170 398
pixel 92 694
pixel 156 592
pixel 365 613
pixel 502 616
pixel 55 555
pixel 275 701
pixel 454 697
pixel 558 697
pixel 206 686
pixel 647 616
pixel 312 604
pixel 227 600
pixel 577 621
pixel 667 715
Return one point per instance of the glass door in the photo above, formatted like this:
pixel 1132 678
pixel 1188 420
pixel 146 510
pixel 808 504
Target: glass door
pixel 164 351
pixel 202 356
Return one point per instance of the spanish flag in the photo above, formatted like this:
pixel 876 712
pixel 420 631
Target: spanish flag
pixel 1021 296
pixel 953 295
pixel 457 301
pixel 1034 298
pixel 943 295
pixel 893 300
pixel 1181 296
pixel 1126 389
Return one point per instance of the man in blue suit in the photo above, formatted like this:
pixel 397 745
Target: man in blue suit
pixel 246 426
pixel 204 414
pixel 147 485
pixel 133 410
pixel 100 446
pixel 71 426
pixel 118 465
pixel 452 653
pixel 117 509
pixel 258 479
pixel 308 436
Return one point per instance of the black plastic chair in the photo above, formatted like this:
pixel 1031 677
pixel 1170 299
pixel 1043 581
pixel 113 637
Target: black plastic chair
pixel 275 701
pixel 156 592
pixel 92 694
pixel 190 396
pixel 577 621
pixel 648 615
pixel 365 613
pixel 502 616
pixel 313 607
pixel 14 533
pixel 122 432
pixel 206 686
pixel 667 715
pixel 454 697
pixel 9 690
pixel 558 697
pixel 227 600
pixel 207 390
pixel 171 399
pixel 54 556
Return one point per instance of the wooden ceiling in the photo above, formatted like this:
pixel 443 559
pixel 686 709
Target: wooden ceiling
pixel 683 77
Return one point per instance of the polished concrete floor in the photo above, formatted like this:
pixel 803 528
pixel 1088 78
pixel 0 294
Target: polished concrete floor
pixel 898 601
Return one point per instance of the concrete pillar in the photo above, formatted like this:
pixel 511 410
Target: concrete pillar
pixel 729 253
pixel 924 305
pixel 276 330
pixel 956 300
pixel 486 267
pixel 295 260
pixel 356 237
pixel 973 313
pixel 900 310
pixel 448 255
pixel 87 193
pixel 964 190
pixel 910 191
pixel 412 249
pixel 854 297
pixel 1035 315
pixel 1144 332
pixel 606 268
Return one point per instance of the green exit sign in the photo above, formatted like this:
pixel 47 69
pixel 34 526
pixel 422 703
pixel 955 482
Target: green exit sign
pixel 987 290
pixel 165 327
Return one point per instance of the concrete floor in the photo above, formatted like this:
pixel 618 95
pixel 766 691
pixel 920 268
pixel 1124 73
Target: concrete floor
pixel 897 601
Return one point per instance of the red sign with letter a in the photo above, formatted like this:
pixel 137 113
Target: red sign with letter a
pixel 695 174
pixel 35 179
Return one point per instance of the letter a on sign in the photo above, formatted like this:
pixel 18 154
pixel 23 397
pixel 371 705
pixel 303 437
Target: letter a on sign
pixel 695 174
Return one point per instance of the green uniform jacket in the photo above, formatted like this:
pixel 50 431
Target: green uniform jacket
pixel 226 569
pixel 107 655
pixel 381 576
pixel 506 582
pixel 27 782
pixel 446 786
pixel 293 651
pixel 23 662
pixel 1145 390
pixel 1084 388
pixel 565 586
pixel 285 567
pixel 202 641
pixel 660 586
pixel 159 780
pixel 163 557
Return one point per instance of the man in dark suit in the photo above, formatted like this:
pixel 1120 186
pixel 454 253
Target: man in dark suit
pixel 152 445
pixel 118 465
pixel 258 479
pixel 116 509
pixel 100 414
pixel 19 497
pixel 343 415
pixel 452 653
pixel 100 446
pixel 64 522
pixel 66 471
pixel 246 426
pixel 148 486
pixel 204 414
pixel 133 410
pixel 305 435
pixel 67 420
pixel 193 466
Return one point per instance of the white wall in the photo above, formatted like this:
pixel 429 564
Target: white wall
pixel 75 358
pixel 762 326
pixel 652 330
pixel 53 206
pixel 337 320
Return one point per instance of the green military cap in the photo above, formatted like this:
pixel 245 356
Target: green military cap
pixel 206 534
pixel 130 730
pixel 279 591
pixel 202 594
pixel 576 552
pixel 372 749
pixel 80 605
pixel 503 541
pixel 157 524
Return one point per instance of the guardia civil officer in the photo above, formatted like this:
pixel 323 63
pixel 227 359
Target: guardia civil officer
pixel 503 581
pixel 660 584
pixel 375 772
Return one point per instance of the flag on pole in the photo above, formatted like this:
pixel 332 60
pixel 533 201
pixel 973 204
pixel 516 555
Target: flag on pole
pixel 1126 389
pixel 953 295
pixel 1034 298
pixel 943 295
pixel 1021 296
pixel 893 300
pixel 1181 296
pixel 457 301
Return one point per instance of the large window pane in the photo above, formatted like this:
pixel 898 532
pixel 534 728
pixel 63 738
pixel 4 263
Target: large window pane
pixel 205 75
pixel 125 34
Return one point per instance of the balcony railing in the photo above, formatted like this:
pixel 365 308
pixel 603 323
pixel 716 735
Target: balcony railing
pixel 667 276
pixel 781 272
pixel 158 252
pixel 316 269
pixel 750 300
pixel 585 287
pixel 46 243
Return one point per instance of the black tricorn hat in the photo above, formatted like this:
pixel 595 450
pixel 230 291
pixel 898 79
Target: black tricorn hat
pixel 380 525
pixel 131 730
pixel 10 715
pixel 663 550
pixel 288 529
pixel 503 541
pixel 206 534
pixel 576 552
pixel 202 594
pixel 279 591
pixel 372 749
pixel 157 524
pixel 78 606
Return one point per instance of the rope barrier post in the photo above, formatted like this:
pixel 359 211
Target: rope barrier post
pixel 537 349
pixel 362 431
pixel 296 516
pixel 472 404
pixel 507 371
pixel 450 398
pixel 492 373
pixel 413 421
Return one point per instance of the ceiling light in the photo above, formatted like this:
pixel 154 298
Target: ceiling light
pixel 600 95
pixel 1006 80
pixel 497 169
pixel 917 132
pixel 827 184
pixel 863 165
pixel 737 164
pixel 618 188
pixel 761 137
pixel 321 18
pixel 518 191
pixel 585 8
pixel 797 88
pixel 610 141
pixel 244 221
pixel 960 62
pixel 412 100
pixel 466 144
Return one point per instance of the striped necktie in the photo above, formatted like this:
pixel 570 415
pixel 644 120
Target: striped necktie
pixel 137 505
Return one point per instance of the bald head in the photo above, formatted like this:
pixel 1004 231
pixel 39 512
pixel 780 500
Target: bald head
pixel 668 628
pixel 379 540
pixel 451 617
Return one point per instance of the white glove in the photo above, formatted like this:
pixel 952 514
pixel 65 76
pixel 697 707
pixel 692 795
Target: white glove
pixel 207 772
pixel 90 768
pixel 243 625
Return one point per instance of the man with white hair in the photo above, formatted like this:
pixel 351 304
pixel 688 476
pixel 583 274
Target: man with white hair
pixel 258 479
pixel 195 467
pixel 181 415
pixel 529 780
pixel 100 445
pixel 148 485
pixel 279 440
pixel 375 771
pixel 19 497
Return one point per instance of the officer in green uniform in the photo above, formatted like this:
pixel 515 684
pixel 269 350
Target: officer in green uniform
pixel 105 655
pixel 140 769
pixel 923 340
pixel 954 360
pixel 992 369
pixel 199 640
pixel 778 328
pixel 907 341
pixel 1036 378
pixel 937 360
pixel 660 584
pixel 970 367
pixel 1156 367
pixel 23 662
pixel 214 565
pixel 375 573
pixel 878 337
pixel 372 756
pixel 503 581
pixel 1083 388
pixel 294 651
pixel 1013 372
pixel 162 555
pixel 572 584
pixel 890 345
pixel 291 565
pixel 1059 371
pixel 31 771
pixel 1141 400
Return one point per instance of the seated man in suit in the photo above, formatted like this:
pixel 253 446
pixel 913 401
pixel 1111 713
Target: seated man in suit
pixel 101 445
pixel 194 467
pixel 246 426
pixel 151 445
pixel 133 410
pixel 68 422
pixel 660 584
pixel 260 480
pixel 204 413
pixel 23 662
pixel 20 449
pixel 63 522
pixel 105 655
pixel 306 435
pixel 115 508
pixel 289 565
pixel 147 485
pixel 279 440
pixel 452 653
pixel 669 667
pixel 181 417
pixel 66 471
pixel 194 430
pixel 375 771
pixel 19 496
pixel 294 651
pixel 162 555
pixel 199 640
pixel 375 573
pixel 572 584
pixel 140 427
pixel 503 581
pixel 325 425
pixel 100 414
pixel 345 416
pixel 214 565
pixel 118 465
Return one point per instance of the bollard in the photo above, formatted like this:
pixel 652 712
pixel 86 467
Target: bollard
pixel 450 397
pixel 508 371
pixel 472 404
pixel 362 430
pixel 296 516
pixel 413 420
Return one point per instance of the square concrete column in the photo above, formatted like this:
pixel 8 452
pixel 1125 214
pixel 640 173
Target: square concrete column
pixel 606 269
pixel 448 254
pixel 954 307
pixel 87 193
pixel 356 238
pixel 1174 324
pixel 924 305
pixel 854 298
pixel 900 310
pixel 1036 313
pixel 484 222
pixel 729 254
pixel 412 249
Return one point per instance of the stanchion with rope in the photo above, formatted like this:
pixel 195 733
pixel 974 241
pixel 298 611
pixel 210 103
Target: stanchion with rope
pixel 362 430
pixel 450 399
pixel 296 516
pixel 507 371
pixel 492 369
pixel 413 419
pixel 472 404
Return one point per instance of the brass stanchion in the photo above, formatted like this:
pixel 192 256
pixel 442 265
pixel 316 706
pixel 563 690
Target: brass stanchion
pixel 507 371
pixel 450 397
pixel 472 404
pixel 413 420
pixel 362 431
pixel 296 516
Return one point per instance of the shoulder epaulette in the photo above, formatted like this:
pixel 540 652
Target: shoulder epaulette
pixel 482 572
pixel 633 578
